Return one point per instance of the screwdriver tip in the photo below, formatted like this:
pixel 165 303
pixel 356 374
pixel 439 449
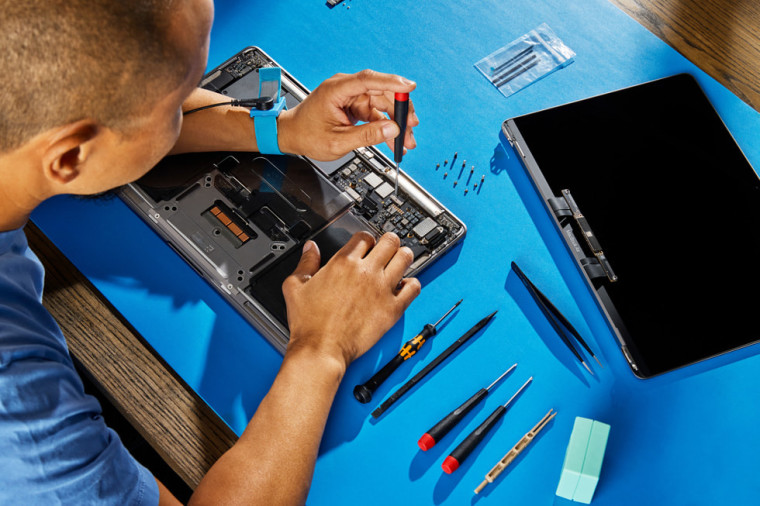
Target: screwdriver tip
pixel 587 367
pixel 597 361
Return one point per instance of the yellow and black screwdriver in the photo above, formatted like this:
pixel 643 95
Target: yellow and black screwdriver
pixel 363 393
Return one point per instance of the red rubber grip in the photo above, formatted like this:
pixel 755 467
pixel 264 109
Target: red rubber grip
pixel 426 442
pixel 450 464
pixel 402 97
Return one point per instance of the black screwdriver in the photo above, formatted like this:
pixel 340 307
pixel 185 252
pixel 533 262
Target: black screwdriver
pixel 439 430
pixel 363 393
pixel 465 448
pixel 400 114
pixel 398 394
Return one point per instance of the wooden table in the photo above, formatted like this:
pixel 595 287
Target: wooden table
pixel 721 36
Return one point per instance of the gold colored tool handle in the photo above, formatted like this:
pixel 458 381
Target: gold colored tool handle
pixel 515 451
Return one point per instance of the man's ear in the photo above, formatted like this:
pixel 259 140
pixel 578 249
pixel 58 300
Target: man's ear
pixel 67 149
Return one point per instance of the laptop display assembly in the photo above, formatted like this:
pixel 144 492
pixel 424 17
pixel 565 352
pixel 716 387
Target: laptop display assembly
pixel 661 211
pixel 240 219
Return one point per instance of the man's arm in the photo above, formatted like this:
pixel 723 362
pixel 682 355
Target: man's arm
pixel 323 127
pixel 273 461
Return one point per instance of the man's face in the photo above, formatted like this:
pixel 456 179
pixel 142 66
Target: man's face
pixel 124 157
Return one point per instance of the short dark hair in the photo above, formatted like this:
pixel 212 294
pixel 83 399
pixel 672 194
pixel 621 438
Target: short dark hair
pixel 66 60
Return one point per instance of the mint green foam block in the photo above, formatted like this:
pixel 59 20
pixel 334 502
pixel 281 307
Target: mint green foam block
pixel 592 465
pixel 583 460
pixel 574 456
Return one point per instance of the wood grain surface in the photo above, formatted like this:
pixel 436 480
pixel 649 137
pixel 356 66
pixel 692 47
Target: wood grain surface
pixel 166 412
pixel 721 36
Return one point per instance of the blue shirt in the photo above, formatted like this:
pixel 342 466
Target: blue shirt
pixel 54 446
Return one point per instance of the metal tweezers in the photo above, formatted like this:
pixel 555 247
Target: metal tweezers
pixel 557 320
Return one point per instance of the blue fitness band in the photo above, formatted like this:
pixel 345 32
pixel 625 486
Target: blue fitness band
pixel 265 121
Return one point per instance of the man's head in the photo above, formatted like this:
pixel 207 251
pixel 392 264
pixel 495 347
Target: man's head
pixel 92 88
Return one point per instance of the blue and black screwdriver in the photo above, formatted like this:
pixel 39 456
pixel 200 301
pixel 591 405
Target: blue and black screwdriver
pixel 363 393
pixel 439 430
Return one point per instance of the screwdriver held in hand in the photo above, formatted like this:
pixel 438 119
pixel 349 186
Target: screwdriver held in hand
pixel 400 113
pixel 439 430
pixel 465 448
pixel 363 393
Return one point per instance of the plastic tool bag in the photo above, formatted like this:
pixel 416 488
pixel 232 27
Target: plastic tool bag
pixel 525 60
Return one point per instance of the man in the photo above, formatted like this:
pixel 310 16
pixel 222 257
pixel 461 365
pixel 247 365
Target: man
pixel 92 99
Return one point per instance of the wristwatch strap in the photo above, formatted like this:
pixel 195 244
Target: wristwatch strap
pixel 265 122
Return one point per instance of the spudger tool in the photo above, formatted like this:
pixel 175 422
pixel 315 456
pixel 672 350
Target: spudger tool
pixel 516 450
pixel 556 319
pixel 465 448
pixel 439 430
pixel 400 113
pixel 363 393
pixel 432 365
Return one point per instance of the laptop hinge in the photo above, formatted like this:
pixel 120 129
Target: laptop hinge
pixel 593 268
pixel 599 260
pixel 560 207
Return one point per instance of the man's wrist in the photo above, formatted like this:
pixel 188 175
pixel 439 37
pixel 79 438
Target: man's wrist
pixel 284 137
pixel 314 352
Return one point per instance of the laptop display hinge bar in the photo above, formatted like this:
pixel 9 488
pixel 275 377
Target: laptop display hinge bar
pixel 559 206
pixel 588 235
pixel 593 268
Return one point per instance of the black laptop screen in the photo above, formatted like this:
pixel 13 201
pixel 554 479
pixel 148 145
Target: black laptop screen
pixel 676 207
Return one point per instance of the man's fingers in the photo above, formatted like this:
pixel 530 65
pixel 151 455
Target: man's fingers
pixel 410 289
pixel 409 141
pixel 307 266
pixel 370 81
pixel 398 265
pixel 369 134
pixel 386 247
pixel 386 103
pixel 358 246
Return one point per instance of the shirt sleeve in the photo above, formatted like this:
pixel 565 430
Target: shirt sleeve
pixel 54 445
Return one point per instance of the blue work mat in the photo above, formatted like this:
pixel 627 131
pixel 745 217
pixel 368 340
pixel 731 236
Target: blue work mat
pixel 688 437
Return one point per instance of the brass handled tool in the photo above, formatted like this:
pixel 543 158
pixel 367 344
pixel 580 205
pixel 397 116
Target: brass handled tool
pixel 515 451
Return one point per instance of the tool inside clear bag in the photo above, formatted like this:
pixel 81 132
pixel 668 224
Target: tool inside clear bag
pixel 525 60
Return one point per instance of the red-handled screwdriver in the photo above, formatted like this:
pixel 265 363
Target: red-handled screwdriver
pixel 400 113
pixel 465 448
pixel 439 430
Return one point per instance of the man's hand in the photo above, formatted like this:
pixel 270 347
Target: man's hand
pixel 343 309
pixel 323 126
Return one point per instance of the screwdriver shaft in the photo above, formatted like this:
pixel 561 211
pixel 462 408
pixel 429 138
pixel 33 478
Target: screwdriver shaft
pixel 447 313
pixel 499 378
pixel 518 391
